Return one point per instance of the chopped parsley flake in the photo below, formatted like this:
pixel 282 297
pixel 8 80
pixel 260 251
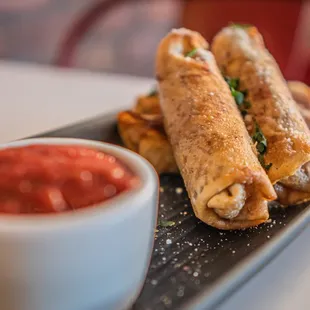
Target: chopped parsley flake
pixel 243 105
pixel 164 223
pixel 261 159
pixel 261 146
pixel 232 82
pixel 191 53
pixel 242 26
pixel 260 140
pixel 238 95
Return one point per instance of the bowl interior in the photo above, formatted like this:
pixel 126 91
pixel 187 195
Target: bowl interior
pixel 112 209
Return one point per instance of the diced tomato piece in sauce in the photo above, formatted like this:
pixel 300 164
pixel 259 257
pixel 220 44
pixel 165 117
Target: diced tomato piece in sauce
pixel 58 178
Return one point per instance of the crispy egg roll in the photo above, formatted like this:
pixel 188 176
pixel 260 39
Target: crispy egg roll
pixel 227 186
pixel 240 53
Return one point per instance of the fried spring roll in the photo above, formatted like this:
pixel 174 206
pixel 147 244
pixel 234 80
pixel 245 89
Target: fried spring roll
pixel 227 186
pixel 240 53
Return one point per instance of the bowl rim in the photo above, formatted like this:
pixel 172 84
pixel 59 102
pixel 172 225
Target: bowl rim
pixel 114 210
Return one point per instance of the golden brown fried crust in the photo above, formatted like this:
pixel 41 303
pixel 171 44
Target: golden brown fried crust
pixel 154 146
pixel 241 53
pixel 147 105
pixel 288 197
pixel 210 143
pixel 144 135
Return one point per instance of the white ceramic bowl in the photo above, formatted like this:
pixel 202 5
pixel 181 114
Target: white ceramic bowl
pixel 94 258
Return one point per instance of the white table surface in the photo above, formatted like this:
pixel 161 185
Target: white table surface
pixel 35 99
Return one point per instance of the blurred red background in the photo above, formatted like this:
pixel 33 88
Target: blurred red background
pixel 285 25
pixel 122 37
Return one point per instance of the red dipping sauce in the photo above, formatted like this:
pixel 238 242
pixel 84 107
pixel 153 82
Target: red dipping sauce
pixel 57 178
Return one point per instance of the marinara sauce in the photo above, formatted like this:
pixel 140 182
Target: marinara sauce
pixel 57 178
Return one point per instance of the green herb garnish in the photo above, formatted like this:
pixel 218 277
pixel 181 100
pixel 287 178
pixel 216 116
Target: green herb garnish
pixel 232 82
pixel 164 223
pixel 259 138
pixel 153 93
pixel 267 167
pixel 261 159
pixel 191 53
pixel 243 105
pixel 242 26
pixel 261 146
pixel 239 95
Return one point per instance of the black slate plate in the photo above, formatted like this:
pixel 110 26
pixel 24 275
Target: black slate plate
pixel 195 266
